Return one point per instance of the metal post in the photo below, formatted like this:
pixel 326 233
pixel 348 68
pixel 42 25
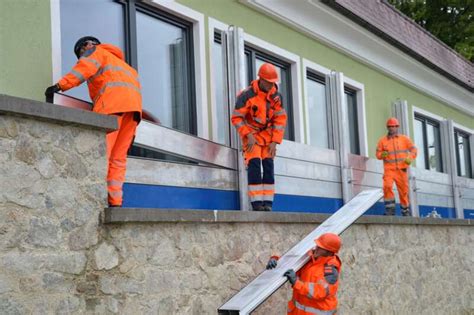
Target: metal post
pixel 340 122
pixel 400 111
pixel 451 164
pixel 235 83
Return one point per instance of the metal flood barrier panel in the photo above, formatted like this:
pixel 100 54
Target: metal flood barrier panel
pixel 257 291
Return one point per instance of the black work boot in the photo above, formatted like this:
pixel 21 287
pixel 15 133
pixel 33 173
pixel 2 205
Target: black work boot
pixel 267 208
pixel 257 206
pixel 406 212
pixel 389 211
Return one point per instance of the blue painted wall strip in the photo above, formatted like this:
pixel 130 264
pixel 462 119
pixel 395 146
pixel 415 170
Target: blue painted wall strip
pixel 468 213
pixel 157 196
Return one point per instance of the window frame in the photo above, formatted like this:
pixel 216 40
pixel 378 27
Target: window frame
pixel 176 12
pixel 470 134
pixel 213 27
pixel 295 83
pixel 425 119
pixel 318 70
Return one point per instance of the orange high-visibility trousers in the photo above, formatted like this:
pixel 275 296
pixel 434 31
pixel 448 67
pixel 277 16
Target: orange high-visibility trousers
pixel 118 143
pixel 261 189
pixel 400 177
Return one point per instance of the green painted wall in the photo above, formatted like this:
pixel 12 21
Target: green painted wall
pixel 25 48
pixel 380 90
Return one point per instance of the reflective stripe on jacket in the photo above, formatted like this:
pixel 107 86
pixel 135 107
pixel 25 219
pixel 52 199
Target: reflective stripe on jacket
pixel 260 113
pixel 315 290
pixel 113 85
pixel 399 147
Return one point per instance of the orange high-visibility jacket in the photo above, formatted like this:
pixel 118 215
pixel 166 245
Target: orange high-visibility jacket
pixel 399 147
pixel 113 84
pixel 260 113
pixel 315 290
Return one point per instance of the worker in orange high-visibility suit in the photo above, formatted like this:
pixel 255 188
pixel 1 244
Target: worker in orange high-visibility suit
pixel 397 152
pixel 315 285
pixel 115 90
pixel 260 120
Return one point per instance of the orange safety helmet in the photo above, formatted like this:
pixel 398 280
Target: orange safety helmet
pixel 268 72
pixel 392 122
pixel 329 241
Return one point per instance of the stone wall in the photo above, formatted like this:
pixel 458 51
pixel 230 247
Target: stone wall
pixel 52 191
pixel 59 255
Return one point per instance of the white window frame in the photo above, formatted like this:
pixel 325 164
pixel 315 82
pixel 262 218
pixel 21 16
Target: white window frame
pixel 358 87
pixel 470 132
pixel 317 69
pixel 176 9
pixel 295 69
pixel 440 120
pixel 213 25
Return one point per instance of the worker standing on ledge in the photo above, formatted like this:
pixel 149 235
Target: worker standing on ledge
pixel 260 120
pixel 397 152
pixel 115 90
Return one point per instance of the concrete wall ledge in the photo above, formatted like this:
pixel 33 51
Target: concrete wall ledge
pixel 139 215
pixel 29 108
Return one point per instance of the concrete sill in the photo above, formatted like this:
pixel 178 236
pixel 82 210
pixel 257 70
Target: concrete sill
pixel 142 215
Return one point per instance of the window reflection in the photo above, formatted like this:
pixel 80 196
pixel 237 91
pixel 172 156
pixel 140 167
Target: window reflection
pixel 102 19
pixel 222 111
pixel 317 111
pixel 351 102
pixel 463 154
pixel 419 143
pixel 163 66
pixel 428 142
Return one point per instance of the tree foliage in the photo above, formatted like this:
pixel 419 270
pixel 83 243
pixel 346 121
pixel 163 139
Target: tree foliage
pixel 452 21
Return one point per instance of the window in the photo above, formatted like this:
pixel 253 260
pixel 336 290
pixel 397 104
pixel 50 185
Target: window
pixel 165 68
pixel 156 43
pixel 428 142
pixel 102 19
pixel 221 106
pixel 254 59
pixel 350 97
pixel 463 154
pixel 318 111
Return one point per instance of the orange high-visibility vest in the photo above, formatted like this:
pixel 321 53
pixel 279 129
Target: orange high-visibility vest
pixel 315 290
pixel 399 147
pixel 113 84
pixel 260 113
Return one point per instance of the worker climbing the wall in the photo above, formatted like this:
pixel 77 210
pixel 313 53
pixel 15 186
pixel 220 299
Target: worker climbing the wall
pixel 397 152
pixel 260 120
pixel 115 90
pixel 315 285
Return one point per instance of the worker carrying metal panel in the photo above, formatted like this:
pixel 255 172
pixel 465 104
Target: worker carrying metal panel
pixel 296 263
pixel 260 120
pixel 397 152
pixel 315 285
pixel 115 90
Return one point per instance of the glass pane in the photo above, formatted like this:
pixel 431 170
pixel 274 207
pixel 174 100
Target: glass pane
pixel 317 111
pixel 434 147
pixel 420 159
pixel 221 105
pixel 103 19
pixel 351 102
pixel 462 146
pixel 163 65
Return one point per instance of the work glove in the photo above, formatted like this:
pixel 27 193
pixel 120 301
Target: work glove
pixel 384 154
pixel 408 161
pixel 272 263
pixel 51 90
pixel 291 275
